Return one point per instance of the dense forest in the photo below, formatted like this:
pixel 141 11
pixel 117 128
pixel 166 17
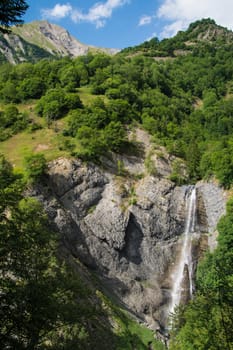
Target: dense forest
pixel 182 94
pixel 184 102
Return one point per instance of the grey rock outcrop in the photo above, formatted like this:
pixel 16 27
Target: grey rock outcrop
pixel 211 206
pixel 41 39
pixel 126 230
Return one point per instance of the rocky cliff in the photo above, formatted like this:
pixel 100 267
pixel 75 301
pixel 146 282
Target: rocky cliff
pixel 51 38
pixel 40 39
pixel 127 228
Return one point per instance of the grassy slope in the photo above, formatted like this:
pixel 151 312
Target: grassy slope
pixel 130 334
pixel 24 143
pixel 44 140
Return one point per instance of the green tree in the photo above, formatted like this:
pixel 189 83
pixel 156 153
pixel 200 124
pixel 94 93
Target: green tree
pixel 35 165
pixel 92 142
pixel 69 77
pixel 115 136
pixel 6 173
pixel 9 93
pixel 32 87
pixel 38 299
pixel 11 12
pixel 72 101
pixel 11 114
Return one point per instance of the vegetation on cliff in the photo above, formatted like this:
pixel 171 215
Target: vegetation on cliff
pixel 90 101
pixel 85 107
pixel 47 300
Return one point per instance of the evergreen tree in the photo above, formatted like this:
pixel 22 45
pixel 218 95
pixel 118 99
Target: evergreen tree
pixel 11 12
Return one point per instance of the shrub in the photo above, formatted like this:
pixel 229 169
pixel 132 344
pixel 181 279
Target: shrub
pixel 35 165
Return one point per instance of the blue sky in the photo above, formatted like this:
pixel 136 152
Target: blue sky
pixel 123 23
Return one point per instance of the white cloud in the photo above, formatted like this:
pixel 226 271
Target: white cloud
pixel 58 12
pixel 145 20
pixel 180 13
pixel 97 14
pixel 172 28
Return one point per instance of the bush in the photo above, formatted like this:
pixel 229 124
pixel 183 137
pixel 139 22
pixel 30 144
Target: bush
pixel 35 165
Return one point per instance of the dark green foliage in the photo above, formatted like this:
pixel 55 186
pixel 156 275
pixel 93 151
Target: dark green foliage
pixel 10 115
pixel 56 103
pixel 32 87
pixel 69 77
pixel 45 300
pixel 181 102
pixel 11 12
pixel 38 300
pixel 12 122
pixel 72 101
pixel 35 166
pixel 6 173
pixel 9 92
pixel 115 136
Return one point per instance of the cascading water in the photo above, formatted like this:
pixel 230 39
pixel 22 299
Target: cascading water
pixel 185 261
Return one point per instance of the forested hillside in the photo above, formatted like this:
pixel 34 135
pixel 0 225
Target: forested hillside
pixel 184 102
pixel 180 90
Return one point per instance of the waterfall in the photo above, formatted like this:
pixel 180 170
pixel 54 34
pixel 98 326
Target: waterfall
pixel 184 264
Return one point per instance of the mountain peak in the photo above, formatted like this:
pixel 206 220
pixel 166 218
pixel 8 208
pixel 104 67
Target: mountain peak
pixel 207 30
pixel 51 38
pixel 41 39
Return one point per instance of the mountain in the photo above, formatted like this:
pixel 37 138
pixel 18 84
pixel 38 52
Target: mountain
pixel 40 39
pixel 201 32
pixel 132 241
pixel 207 30
pixel 139 168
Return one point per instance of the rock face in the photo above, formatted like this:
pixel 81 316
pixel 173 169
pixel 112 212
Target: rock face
pixel 212 202
pixel 52 38
pixel 125 229
pixel 41 39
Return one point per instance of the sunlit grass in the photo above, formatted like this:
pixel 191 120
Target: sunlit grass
pixel 86 96
pixel 49 141
pixel 25 143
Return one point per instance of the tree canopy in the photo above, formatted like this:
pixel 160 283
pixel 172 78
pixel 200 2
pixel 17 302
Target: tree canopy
pixel 11 12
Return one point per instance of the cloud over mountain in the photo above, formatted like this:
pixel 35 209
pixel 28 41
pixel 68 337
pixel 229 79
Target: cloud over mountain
pixel 57 12
pixel 97 14
pixel 180 13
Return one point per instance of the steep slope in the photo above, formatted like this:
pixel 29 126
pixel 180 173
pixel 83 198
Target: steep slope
pixel 207 30
pixel 15 49
pixel 202 32
pixel 129 229
pixel 39 39
pixel 51 38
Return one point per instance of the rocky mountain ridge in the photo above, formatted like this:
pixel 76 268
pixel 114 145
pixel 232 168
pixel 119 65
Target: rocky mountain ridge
pixel 207 30
pixel 39 39
pixel 201 33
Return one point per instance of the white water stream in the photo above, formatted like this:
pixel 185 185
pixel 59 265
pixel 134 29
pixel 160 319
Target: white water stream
pixel 185 260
